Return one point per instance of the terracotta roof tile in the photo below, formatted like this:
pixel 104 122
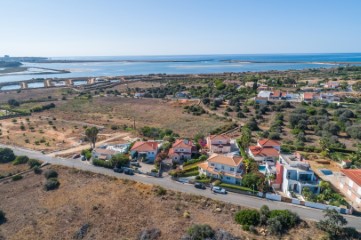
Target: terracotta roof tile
pixel 268 143
pixel 263 152
pixel 353 174
pixel 226 160
pixel 145 146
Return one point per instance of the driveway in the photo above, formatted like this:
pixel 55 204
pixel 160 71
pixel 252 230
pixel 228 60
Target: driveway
pixel 237 199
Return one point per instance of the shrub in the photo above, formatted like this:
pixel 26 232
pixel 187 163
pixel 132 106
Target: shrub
pixel 248 217
pixel 217 182
pixel 17 177
pixel 51 184
pixel 288 219
pixel 2 217
pixel 200 232
pixel 20 160
pixel 50 174
pixel 102 163
pixel 37 170
pixel 159 191
pixel 6 155
pixel 34 163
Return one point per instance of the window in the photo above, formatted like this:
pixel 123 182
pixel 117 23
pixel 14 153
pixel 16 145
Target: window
pixel 222 167
pixel 212 164
pixel 228 178
pixel 232 169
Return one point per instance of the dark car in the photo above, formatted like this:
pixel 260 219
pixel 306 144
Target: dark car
pixel 200 185
pixel 129 171
pixel 118 170
pixel 75 156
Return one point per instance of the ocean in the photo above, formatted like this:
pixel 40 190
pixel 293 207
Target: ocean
pixel 185 64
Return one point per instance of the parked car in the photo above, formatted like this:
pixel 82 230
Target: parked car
pixel 128 171
pixel 75 156
pixel 118 170
pixel 219 190
pixel 199 185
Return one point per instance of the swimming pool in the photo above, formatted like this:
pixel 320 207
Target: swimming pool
pixel 262 168
pixel 326 172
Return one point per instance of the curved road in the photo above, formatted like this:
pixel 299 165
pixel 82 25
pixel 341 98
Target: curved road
pixel 237 199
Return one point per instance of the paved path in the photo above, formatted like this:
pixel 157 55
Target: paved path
pixel 238 199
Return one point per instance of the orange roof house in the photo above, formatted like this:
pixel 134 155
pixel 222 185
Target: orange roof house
pixel 226 168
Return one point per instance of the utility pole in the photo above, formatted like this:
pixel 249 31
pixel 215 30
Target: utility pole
pixel 134 123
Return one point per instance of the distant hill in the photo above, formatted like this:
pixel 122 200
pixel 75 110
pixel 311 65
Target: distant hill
pixel 4 64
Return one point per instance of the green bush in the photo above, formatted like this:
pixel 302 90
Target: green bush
pixel 281 220
pixel 37 170
pixel 17 177
pixel 248 217
pixel 34 163
pixel 159 191
pixel 192 161
pixel 200 232
pixel 50 173
pixel 6 155
pixel 21 160
pixel 51 184
pixel 102 163
pixel 237 187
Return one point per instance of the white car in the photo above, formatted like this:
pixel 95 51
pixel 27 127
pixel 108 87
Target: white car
pixel 219 190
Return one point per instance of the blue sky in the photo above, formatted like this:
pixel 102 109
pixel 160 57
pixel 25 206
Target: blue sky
pixel 167 27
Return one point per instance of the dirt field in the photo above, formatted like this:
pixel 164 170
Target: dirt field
pixel 114 209
pixel 118 111
pixel 9 168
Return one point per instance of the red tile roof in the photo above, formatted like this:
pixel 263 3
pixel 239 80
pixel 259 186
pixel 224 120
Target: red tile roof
pixel 268 143
pixel 353 174
pixel 263 152
pixel 181 143
pixel 145 146
pixel 276 93
pixel 308 96
pixel 227 160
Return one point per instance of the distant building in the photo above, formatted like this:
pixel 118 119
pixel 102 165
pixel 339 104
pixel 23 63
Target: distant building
pixel 264 94
pixel 228 169
pixel 308 97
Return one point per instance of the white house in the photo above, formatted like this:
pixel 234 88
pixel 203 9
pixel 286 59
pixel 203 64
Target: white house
pixel 103 153
pixel 350 185
pixel 148 149
pixel 228 169
pixel 297 175
pixel 219 144
pixel 182 149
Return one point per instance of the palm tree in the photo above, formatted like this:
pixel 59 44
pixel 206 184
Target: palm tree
pixel 92 134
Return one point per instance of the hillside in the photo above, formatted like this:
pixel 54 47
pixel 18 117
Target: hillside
pixel 113 209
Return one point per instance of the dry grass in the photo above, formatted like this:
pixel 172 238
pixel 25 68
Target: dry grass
pixel 115 209
pixel 9 168
pixel 146 112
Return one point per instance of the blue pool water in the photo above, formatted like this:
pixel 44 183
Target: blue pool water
pixel 326 171
pixel 262 168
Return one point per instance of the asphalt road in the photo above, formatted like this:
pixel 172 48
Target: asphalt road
pixel 237 199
